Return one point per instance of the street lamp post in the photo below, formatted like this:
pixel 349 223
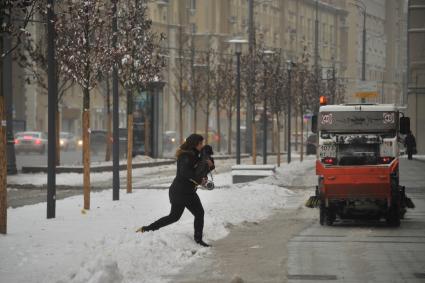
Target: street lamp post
pixel 238 51
pixel 115 114
pixel 290 65
pixel 52 108
pixel 362 6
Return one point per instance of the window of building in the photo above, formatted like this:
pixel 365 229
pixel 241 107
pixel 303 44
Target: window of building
pixel 193 28
pixel 193 4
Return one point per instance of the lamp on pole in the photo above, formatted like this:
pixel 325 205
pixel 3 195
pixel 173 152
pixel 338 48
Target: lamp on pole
pixel 266 53
pixel 362 5
pixel 316 50
pixel 290 64
pixel 238 51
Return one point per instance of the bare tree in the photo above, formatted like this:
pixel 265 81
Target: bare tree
pixel 218 89
pixel 278 95
pixel 83 53
pixel 35 63
pixel 226 74
pixel 208 59
pixel 11 32
pixel 181 72
pixel 141 62
pixel 302 78
pixel 15 15
pixel 251 85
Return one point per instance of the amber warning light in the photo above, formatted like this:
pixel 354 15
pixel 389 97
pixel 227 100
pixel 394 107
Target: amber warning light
pixel 323 100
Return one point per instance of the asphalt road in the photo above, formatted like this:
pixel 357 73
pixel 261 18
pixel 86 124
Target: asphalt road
pixel 27 194
pixel 72 157
pixel 291 246
pixel 365 251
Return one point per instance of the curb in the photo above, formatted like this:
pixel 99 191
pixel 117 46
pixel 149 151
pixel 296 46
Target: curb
pixel 103 168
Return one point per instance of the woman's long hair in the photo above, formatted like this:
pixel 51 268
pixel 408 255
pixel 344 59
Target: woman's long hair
pixel 190 143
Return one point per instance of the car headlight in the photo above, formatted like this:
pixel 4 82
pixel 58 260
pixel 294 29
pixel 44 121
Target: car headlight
pixel 80 142
pixel 173 140
pixel 62 142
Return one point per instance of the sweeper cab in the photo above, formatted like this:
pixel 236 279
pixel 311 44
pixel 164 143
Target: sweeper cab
pixel 358 163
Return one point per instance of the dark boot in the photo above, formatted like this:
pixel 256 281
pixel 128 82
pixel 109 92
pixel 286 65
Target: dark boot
pixel 202 243
pixel 199 241
pixel 142 229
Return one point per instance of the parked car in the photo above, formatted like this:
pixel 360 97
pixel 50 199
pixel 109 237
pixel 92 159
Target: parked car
pixel 31 142
pixel 98 142
pixel 67 141
pixel 311 144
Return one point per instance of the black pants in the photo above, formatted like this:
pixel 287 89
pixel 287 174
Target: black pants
pixel 195 207
pixel 409 154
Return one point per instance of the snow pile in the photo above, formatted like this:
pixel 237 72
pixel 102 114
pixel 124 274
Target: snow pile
pixel 100 245
pixel 98 271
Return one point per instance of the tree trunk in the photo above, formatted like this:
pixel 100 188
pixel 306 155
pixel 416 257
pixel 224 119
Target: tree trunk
pixel 195 122
pixel 86 150
pixel 129 141
pixel 206 125
pixel 254 143
pixel 109 122
pixel 58 148
pixel 278 139
pixel 285 134
pixel 273 136
pixel 229 133
pixel 181 121
pixel 296 130
pixel 218 127
pixel 3 168
pixel 147 135
pixel 302 134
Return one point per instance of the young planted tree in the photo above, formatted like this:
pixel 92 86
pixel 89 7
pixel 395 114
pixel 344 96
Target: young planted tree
pixel 83 53
pixel 218 89
pixel 12 33
pixel 208 101
pixel 227 75
pixel 302 75
pixel 278 99
pixel 182 74
pixel 251 83
pixel 22 12
pixel 198 82
pixel 141 62
pixel 35 63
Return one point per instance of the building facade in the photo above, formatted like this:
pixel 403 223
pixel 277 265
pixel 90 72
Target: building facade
pixel 416 72
pixel 289 25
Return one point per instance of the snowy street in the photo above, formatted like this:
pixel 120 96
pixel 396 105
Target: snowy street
pixel 100 245
pixel 260 232
pixel 24 189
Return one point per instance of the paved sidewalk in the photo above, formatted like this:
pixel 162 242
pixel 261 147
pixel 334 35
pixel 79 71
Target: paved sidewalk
pixel 291 246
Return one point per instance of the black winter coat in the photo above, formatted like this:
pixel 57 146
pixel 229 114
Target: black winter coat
pixel 409 141
pixel 183 189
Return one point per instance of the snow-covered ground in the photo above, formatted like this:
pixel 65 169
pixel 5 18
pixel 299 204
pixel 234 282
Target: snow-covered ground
pixel 101 245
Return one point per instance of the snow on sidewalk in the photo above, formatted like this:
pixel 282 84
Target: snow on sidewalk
pixel 101 245
pixel 76 179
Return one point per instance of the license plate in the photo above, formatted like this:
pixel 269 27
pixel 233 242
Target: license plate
pixel 327 150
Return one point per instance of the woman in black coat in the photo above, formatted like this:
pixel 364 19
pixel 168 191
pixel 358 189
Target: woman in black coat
pixel 182 191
